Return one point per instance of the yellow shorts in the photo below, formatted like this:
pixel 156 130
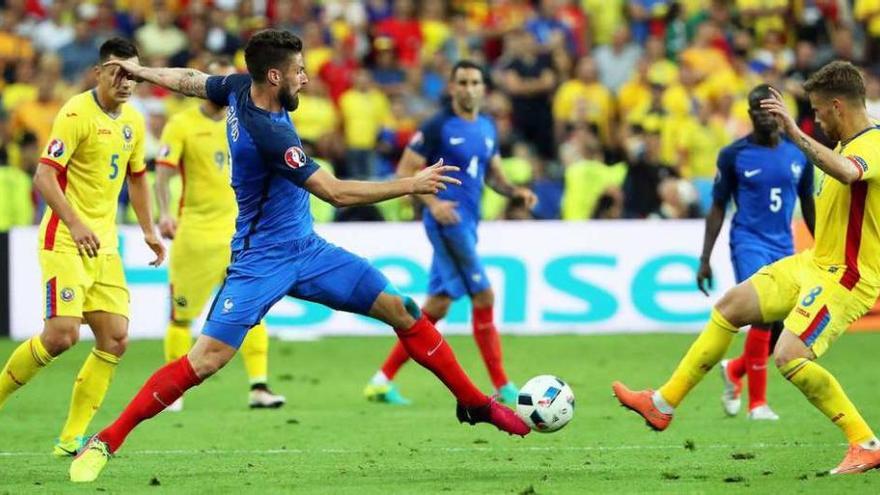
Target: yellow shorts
pixel 810 299
pixel 196 269
pixel 77 284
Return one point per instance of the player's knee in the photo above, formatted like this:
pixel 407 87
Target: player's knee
pixel 733 307
pixel 59 339
pixel 785 353
pixel 484 299
pixel 116 345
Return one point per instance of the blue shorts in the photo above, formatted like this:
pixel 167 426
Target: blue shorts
pixel 311 269
pixel 456 269
pixel 747 259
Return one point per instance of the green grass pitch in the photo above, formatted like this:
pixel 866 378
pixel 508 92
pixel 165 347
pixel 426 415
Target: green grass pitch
pixel 328 439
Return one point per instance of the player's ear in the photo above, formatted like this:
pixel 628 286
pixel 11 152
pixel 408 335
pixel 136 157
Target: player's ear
pixel 274 77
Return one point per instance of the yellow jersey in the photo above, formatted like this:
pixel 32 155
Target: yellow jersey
pixel 196 145
pixel 93 152
pixel 847 216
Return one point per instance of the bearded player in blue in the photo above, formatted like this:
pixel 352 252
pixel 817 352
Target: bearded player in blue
pixel 458 134
pixel 765 174
pixel 275 250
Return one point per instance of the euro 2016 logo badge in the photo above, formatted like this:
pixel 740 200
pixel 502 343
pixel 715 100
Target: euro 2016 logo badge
pixel 127 133
pixel 67 294
pixel 56 148
pixel 294 157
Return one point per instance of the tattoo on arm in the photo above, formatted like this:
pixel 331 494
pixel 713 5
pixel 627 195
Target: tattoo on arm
pixel 193 83
pixel 812 154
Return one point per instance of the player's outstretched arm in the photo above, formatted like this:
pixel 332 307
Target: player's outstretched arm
pixel 833 164
pixel 46 182
pixel 139 192
pixel 341 193
pixel 189 82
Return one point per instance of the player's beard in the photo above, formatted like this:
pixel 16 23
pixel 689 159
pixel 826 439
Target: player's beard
pixel 288 101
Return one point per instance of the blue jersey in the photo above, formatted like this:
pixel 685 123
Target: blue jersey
pixel 765 184
pixel 469 145
pixel 269 168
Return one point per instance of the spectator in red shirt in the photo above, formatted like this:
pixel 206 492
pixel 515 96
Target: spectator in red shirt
pixel 406 31
pixel 338 72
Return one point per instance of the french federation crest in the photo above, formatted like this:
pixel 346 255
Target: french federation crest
pixel 796 170
pixel 127 133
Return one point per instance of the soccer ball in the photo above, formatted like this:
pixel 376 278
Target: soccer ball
pixel 545 403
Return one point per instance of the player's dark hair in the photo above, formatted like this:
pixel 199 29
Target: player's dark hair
pixel 465 64
pixel 838 79
pixel 270 49
pixel 117 47
pixel 758 93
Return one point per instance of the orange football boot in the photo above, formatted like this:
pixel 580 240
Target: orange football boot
pixel 858 460
pixel 640 402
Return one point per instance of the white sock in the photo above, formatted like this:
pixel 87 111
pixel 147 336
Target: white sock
pixel 661 404
pixel 870 444
pixel 379 378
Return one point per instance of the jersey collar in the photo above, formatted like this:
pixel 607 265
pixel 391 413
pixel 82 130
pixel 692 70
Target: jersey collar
pixel 98 103
pixel 843 144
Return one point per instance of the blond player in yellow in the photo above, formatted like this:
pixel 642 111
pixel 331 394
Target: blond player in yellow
pixel 818 292
pixel 97 142
pixel 194 145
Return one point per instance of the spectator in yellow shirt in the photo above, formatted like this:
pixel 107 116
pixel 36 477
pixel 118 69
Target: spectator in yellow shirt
pixel 365 110
pixel 36 116
pixel 584 100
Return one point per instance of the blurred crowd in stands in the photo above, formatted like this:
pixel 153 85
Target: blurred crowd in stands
pixel 606 108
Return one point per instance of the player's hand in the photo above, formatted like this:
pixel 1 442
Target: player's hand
pixel 156 245
pixel 704 278
pixel 444 212
pixel 433 179
pixel 167 227
pixel 777 108
pixel 86 241
pixel 124 70
pixel 527 196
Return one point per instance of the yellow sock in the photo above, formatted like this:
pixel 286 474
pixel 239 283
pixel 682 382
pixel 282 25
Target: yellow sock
pixel 177 340
pixel 89 390
pixel 26 360
pixel 823 391
pixel 255 352
pixel 704 353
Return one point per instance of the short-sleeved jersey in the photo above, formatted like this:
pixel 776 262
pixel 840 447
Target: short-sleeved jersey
pixel 93 152
pixel 469 145
pixel 848 216
pixel 269 168
pixel 765 184
pixel 196 145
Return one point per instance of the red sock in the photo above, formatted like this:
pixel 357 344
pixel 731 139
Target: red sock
pixel 427 347
pixel 756 351
pixel 165 386
pixel 398 355
pixel 737 367
pixel 489 344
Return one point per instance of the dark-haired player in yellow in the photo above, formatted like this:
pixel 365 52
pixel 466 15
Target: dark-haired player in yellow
pixel 97 142
pixel 194 145
pixel 818 292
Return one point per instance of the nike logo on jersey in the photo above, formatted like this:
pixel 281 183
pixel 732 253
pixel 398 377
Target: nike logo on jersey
pixel 455 141
pixel 752 173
